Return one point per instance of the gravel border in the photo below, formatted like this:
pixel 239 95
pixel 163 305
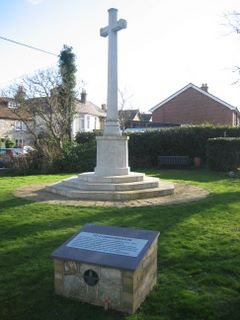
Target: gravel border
pixel 183 193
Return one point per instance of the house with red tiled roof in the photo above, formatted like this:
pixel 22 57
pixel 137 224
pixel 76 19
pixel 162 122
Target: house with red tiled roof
pixel 195 105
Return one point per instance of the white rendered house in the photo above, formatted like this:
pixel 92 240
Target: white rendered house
pixel 89 117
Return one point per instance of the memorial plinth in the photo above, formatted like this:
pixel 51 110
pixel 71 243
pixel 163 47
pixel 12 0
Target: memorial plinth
pixel 112 156
pixel 107 266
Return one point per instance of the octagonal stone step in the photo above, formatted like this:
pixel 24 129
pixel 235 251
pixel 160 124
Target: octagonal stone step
pixel 165 188
pixel 92 177
pixel 76 183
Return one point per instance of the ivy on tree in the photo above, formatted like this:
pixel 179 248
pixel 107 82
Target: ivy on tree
pixel 67 94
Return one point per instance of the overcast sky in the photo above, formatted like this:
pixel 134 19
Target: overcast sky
pixel 166 45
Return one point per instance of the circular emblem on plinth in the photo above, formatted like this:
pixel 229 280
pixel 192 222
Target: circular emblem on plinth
pixel 90 277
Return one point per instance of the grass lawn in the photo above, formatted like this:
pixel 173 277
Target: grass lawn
pixel 198 255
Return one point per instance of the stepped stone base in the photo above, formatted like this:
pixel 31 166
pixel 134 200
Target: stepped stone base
pixel 90 186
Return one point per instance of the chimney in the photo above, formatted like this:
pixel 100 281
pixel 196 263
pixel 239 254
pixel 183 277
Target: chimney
pixel 204 87
pixel 83 96
pixel 104 107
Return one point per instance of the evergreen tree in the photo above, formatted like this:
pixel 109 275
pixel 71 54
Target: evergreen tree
pixel 67 94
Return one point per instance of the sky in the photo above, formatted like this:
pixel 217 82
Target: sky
pixel 167 44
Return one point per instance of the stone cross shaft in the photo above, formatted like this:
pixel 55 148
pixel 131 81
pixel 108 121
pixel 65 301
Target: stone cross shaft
pixel 114 25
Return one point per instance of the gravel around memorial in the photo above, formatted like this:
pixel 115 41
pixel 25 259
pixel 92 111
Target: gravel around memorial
pixel 183 193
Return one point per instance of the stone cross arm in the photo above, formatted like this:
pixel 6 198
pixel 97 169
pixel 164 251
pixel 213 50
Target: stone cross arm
pixel 120 24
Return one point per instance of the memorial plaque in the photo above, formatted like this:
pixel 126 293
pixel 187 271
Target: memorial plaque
pixel 114 247
pixel 107 266
pixel 124 246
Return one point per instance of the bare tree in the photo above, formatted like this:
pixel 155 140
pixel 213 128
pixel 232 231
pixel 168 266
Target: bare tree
pixel 125 101
pixel 36 105
pixel 233 22
pixel 45 102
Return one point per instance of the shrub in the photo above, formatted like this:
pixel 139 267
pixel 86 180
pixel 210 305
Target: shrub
pixel 9 143
pixel 86 137
pixel 42 160
pixel 30 163
pixel 77 157
pixel 73 157
pixel 223 154
pixel 2 144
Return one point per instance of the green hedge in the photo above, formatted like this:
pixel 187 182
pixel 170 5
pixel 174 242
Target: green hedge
pixel 144 148
pixel 86 137
pixel 223 154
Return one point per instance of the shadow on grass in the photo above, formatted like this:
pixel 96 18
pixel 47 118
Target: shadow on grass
pixel 48 217
pixel 187 286
pixel 60 222
pixel 13 202
pixel 197 175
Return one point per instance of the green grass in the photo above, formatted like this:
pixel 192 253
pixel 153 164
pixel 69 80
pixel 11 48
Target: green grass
pixel 198 255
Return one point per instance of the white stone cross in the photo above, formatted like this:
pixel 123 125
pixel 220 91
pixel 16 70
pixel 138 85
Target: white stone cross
pixel 114 25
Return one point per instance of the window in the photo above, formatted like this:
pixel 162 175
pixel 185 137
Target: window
pixel 19 143
pixel 81 122
pixel 88 122
pixel 12 104
pixel 20 126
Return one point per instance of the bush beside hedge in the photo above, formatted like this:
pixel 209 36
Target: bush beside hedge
pixel 76 157
pixel 223 154
pixel 86 137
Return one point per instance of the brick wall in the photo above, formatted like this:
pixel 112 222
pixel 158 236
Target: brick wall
pixel 193 107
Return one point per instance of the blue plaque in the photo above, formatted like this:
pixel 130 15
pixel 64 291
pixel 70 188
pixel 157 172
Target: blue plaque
pixel 105 243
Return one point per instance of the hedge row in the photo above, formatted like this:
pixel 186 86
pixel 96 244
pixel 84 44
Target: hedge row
pixel 144 148
pixel 223 154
